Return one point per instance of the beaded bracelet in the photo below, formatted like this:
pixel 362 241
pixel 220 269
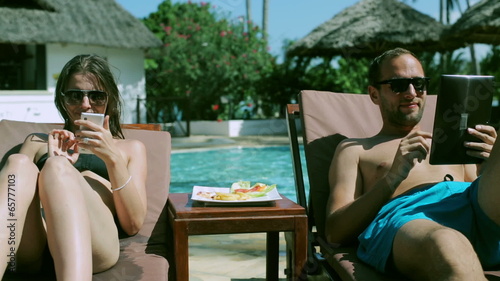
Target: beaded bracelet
pixel 125 184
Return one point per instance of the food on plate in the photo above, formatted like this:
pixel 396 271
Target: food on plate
pixel 256 190
pixel 239 191
pixel 205 194
pixel 231 196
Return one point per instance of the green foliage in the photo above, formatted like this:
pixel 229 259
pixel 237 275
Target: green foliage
pixel 352 75
pixel 323 74
pixel 204 57
pixel 490 66
pixel 222 67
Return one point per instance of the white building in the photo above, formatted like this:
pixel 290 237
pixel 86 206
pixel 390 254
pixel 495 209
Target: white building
pixel 37 37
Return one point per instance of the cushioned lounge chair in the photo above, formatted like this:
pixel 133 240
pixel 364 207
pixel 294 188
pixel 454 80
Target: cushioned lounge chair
pixel 142 256
pixel 326 119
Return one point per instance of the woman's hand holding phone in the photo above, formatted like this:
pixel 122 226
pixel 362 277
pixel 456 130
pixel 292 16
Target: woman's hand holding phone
pixel 89 122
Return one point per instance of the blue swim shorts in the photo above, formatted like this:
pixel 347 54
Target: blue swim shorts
pixel 452 204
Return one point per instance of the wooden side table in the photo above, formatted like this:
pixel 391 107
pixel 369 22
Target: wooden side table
pixel 189 217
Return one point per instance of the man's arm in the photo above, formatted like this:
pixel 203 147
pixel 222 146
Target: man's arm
pixel 348 210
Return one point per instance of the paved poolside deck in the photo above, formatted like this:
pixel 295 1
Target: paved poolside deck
pixel 235 257
pixel 199 142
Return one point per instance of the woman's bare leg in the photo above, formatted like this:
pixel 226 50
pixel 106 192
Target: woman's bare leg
pixel 34 239
pixel 17 192
pixel 80 228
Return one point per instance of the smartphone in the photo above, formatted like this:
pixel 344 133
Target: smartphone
pixel 96 118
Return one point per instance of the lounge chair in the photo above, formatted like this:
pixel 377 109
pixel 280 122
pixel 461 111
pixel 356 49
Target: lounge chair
pixel 144 255
pixel 326 119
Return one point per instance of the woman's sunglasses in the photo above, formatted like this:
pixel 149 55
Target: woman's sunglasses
pixel 75 97
pixel 399 85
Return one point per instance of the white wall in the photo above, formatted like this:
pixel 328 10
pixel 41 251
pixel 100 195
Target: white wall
pixel 31 106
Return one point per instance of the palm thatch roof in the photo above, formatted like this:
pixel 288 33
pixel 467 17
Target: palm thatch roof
pixel 370 27
pixel 479 24
pixel 93 22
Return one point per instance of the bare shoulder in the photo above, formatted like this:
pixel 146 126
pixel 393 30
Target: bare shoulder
pixel 352 145
pixel 360 149
pixel 131 146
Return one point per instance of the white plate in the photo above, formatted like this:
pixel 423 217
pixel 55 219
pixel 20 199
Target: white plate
pixel 270 196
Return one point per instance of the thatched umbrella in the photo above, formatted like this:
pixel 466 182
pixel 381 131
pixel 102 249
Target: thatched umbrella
pixel 479 24
pixel 88 22
pixel 370 27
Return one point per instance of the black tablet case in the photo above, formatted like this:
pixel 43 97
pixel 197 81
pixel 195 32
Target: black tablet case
pixel 464 101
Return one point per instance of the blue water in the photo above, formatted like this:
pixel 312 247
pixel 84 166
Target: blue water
pixel 222 167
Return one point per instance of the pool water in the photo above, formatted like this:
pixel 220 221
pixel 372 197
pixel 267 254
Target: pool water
pixel 222 167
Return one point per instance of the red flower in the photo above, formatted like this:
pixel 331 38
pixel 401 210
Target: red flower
pixel 223 33
pixel 215 107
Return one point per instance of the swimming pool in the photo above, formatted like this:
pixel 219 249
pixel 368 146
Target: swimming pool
pixel 222 167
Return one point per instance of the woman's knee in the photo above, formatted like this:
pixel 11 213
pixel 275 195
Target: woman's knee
pixel 56 168
pixel 20 162
pixel 21 175
pixel 56 163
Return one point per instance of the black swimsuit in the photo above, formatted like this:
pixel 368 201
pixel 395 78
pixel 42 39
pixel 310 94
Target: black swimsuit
pixel 85 162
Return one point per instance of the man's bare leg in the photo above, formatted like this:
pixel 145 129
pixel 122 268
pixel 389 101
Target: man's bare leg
pixel 425 250
pixel 489 187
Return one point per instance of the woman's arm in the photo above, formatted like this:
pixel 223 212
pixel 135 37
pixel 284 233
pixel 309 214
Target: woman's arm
pixel 127 168
pixel 128 179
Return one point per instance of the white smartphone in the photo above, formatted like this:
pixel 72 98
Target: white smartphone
pixel 96 118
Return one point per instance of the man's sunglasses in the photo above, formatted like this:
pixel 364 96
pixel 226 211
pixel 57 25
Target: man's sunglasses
pixel 399 85
pixel 75 97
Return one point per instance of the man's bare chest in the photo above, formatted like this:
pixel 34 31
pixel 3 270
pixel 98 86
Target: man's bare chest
pixel 375 164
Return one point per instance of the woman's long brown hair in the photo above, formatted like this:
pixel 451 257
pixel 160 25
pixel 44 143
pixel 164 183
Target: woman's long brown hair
pixel 98 67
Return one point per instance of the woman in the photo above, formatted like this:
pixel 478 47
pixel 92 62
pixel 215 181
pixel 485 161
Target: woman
pixel 81 194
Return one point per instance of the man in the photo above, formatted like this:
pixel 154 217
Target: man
pixel 408 217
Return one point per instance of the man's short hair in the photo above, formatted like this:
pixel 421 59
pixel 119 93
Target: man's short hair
pixel 374 73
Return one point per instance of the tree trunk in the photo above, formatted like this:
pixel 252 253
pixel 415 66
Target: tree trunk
pixel 265 14
pixel 249 14
pixel 475 64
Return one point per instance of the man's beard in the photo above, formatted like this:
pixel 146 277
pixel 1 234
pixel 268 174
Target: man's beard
pixel 399 118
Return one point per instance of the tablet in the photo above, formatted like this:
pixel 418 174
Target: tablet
pixel 464 101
